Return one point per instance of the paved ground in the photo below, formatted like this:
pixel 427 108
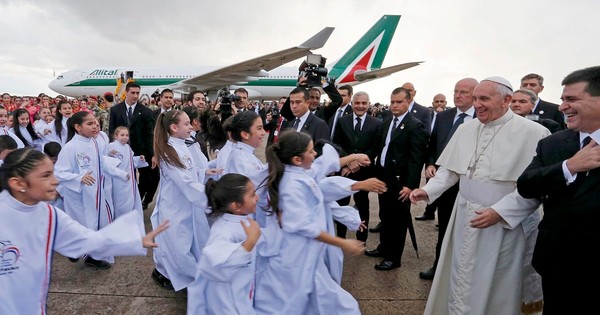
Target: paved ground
pixel 127 288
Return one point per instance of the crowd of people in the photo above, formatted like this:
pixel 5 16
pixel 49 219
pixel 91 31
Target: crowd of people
pixel 507 173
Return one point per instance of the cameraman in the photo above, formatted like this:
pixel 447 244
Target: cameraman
pixel 241 103
pixel 522 104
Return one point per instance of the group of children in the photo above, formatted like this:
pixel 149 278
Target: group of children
pixel 248 238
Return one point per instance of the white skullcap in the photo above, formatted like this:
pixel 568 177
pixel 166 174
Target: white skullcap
pixel 501 81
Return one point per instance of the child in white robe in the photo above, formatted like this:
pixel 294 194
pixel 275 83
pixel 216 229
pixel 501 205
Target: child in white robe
pixel 58 128
pixel 4 128
pixel 225 281
pixel 80 169
pixel 125 193
pixel 181 200
pixel 32 230
pixel 23 129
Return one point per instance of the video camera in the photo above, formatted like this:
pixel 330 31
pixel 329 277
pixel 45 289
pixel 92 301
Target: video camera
pixel 225 99
pixel 313 68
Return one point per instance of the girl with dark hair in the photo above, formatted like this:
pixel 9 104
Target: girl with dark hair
pixel 23 129
pixel 197 145
pixel 299 209
pixel 59 130
pixel 225 282
pixel 80 169
pixel 32 230
pixel 181 200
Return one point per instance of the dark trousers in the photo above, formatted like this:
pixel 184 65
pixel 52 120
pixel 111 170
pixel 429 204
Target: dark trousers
pixel 361 201
pixel 148 183
pixel 445 204
pixel 395 216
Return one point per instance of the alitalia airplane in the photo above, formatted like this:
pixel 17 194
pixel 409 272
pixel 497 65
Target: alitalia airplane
pixel 263 77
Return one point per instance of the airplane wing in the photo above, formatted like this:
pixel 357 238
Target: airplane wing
pixel 257 67
pixel 376 74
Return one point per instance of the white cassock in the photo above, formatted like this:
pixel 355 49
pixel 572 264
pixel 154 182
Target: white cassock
pixel 8 132
pixel 53 136
pixel 181 200
pixel 29 236
pixel 480 270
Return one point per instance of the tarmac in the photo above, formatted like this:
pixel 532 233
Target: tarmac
pixel 127 288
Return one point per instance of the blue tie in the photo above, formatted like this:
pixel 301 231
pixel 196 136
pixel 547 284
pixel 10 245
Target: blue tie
pixel 458 122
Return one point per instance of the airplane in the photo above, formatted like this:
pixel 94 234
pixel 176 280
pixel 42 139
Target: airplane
pixel 263 77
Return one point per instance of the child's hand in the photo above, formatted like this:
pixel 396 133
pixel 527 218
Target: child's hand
pixel 127 177
pixel 371 184
pixel 88 179
pixel 353 247
pixel 148 240
pixel 112 153
pixel 362 226
pixel 252 234
pixel 47 131
pixel 154 161
pixel 213 171
pixel 142 158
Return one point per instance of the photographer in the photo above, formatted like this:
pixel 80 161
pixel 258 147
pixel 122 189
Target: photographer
pixel 522 104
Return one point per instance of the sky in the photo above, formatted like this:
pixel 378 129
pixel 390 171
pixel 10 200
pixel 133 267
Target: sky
pixel 455 39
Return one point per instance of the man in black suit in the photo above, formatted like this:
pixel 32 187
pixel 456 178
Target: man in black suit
pixel 417 110
pixel 402 146
pixel 545 110
pixel 355 134
pixel 324 112
pixel 345 92
pixel 565 175
pixel 244 105
pixel 522 104
pixel 303 120
pixel 443 129
pixel 140 121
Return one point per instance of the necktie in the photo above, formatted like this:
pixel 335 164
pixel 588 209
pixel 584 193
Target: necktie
pixel 581 175
pixel 395 124
pixel 458 122
pixel 586 141
pixel 130 114
pixel 296 123
pixel 340 112
pixel 357 125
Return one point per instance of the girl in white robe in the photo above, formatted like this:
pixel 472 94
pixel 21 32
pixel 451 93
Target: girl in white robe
pixel 295 279
pixel 181 200
pixel 225 282
pixel 125 193
pixel 32 230
pixel 5 130
pixel 80 169
pixel 58 129
pixel 23 129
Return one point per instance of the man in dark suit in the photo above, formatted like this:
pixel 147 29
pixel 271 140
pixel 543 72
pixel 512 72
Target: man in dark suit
pixel 417 110
pixel 345 109
pixel 303 120
pixel 446 123
pixel 565 175
pixel 545 110
pixel 522 104
pixel 324 112
pixel 140 121
pixel 244 105
pixel 355 134
pixel 402 147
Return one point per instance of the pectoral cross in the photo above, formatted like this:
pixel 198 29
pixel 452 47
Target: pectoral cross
pixel 471 169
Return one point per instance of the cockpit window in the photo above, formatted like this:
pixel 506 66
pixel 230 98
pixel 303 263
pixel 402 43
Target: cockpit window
pixel 59 77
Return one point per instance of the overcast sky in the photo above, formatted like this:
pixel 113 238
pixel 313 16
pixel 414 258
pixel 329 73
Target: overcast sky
pixel 456 39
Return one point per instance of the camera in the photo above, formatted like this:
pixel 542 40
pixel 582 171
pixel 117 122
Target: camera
pixel 225 100
pixel 313 68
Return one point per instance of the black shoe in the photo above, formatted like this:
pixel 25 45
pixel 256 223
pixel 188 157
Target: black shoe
pixel 387 265
pixel 427 274
pixel 97 264
pixel 376 229
pixel 144 205
pixel 374 253
pixel 73 260
pixel 424 218
pixel 162 281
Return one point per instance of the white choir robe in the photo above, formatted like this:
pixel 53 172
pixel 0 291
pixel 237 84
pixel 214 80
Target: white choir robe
pixel 200 160
pixel 181 200
pixel 8 132
pixel 296 280
pixel 28 238
pixel 480 271
pixel 223 157
pixel 125 193
pixel 44 130
pixel 53 136
pixel 89 205
pixel 225 281
pixel 37 144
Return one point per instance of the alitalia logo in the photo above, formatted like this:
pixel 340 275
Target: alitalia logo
pixel 104 72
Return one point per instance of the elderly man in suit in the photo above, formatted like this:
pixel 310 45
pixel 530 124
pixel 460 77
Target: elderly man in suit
pixel 565 175
pixel 402 145
pixel 444 127
pixel 355 134
pixel 546 110
pixel 140 121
